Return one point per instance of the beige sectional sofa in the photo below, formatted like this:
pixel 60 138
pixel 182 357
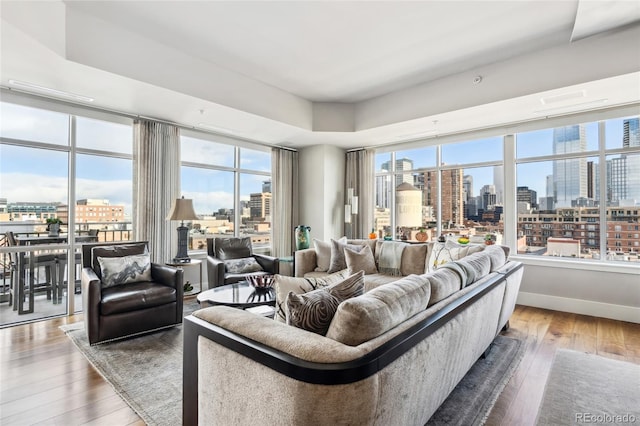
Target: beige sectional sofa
pixel 390 356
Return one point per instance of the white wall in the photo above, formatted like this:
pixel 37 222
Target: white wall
pixel 596 290
pixel 322 190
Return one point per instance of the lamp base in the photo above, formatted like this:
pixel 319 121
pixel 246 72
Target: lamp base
pixel 183 241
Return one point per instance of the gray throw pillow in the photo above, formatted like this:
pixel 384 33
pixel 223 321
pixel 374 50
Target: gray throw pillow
pixel 360 261
pixel 323 253
pixel 242 266
pixel 125 269
pixel 314 311
pixel 338 261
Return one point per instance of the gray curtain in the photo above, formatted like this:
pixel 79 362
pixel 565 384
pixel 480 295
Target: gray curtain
pixel 156 184
pixel 284 211
pixel 360 175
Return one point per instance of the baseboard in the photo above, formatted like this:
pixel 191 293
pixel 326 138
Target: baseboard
pixel 579 306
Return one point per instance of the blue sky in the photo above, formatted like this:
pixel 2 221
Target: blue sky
pixel 30 174
pixel 528 144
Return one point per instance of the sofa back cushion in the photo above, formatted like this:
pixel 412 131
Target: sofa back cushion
pixel 444 282
pixel 498 256
pixel 365 317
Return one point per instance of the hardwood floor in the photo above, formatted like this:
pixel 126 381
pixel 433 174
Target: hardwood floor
pixel 45 380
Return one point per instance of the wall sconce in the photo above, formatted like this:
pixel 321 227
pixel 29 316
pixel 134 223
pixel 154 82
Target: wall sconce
pixel 351 207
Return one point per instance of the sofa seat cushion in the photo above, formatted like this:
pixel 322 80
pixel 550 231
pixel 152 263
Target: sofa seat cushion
pixel 135 296
pixel 365 317
pixel 376 280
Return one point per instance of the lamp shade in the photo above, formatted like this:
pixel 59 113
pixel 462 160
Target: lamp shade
pixel 182 210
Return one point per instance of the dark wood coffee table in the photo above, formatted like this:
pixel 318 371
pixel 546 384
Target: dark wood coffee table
pixel 238 295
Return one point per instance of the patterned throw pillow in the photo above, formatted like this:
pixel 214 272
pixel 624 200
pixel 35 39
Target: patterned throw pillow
pixel 360 261
pixel 242 266
pixel 125 269
pixel 448 251
pixel 283 285
pixel 314 311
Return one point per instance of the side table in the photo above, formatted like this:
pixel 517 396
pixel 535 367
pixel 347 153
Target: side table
pixel 194 262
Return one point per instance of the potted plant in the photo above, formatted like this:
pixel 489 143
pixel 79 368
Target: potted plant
pixel 489 239
pixel 53 226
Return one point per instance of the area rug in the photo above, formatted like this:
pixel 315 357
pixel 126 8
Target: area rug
pixel 471 401
pixel 586 388
pixel 147 373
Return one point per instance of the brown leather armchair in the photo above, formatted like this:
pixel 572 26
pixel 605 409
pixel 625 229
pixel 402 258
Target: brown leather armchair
pixel 128 309
pixel 221 249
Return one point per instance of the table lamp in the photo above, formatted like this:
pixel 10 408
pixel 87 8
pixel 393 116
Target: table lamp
pixel 182 210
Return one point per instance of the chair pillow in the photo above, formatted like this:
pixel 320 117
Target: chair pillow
pixel 283 285
pixel 313 311
pixel 244 265
pixel 360 261
pixel 323 253
pixel 125 269
pixel 116 250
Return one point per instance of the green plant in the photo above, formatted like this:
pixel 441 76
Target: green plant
pixel 52 220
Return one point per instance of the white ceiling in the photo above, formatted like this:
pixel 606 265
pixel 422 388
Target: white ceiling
pixel 345 73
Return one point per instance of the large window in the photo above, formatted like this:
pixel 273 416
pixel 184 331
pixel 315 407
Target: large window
pixel 231 191
pixel 52 158
pixel 576 192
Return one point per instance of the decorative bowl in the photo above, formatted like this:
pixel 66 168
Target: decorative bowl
pixel 260 281
pixel 463 240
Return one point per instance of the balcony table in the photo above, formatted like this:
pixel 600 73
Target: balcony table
pixel 32 264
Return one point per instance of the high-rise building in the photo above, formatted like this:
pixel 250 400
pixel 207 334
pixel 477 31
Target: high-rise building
pixel 260 205
pixel 488 197
pixel 498 182
pixel 631 138
pixel 266 186
pixel 452 201
pixel 467 185
pixel 527 195
pixel 402 165
pixel 630 132
pixel 570 175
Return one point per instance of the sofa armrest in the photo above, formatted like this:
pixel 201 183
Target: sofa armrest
pixel 305 261
pixel 168 275
pixel 269 263
pixel 91 297
pixel 215 272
